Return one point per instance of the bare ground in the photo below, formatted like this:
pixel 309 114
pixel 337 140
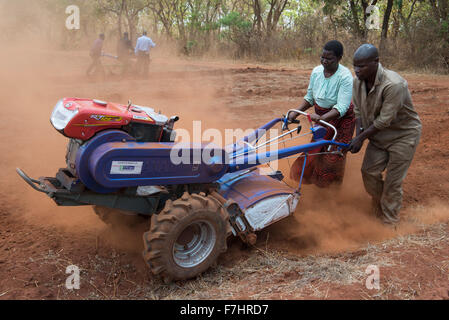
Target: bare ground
pixel 321 252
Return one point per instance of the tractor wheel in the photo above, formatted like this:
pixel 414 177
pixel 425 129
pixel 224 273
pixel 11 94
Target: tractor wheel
pixel 118 218
pixel 186 237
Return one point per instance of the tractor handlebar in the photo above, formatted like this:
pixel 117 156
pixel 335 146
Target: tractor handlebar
pixel 325 123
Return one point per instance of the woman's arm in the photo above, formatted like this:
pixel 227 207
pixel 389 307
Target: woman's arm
pixel 328 116
pixel 303 107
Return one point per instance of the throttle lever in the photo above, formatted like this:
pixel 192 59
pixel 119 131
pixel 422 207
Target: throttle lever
pixel 284 123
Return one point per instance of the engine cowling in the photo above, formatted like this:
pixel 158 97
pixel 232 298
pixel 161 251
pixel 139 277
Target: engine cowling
pixel 84 118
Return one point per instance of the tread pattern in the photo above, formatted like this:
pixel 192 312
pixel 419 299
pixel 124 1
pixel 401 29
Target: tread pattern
pixel 159 240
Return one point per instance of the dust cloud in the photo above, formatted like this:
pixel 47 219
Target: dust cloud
pixel 339 219
pixel 34 76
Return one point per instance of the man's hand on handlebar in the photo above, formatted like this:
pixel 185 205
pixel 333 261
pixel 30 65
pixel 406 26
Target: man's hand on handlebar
pixel 355 144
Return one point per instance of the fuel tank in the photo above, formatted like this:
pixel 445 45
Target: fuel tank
pixel 113 160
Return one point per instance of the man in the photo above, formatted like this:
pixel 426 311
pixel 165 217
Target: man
pixel 124 49
pixel 142 52
pixel 386 117
pixel 95 54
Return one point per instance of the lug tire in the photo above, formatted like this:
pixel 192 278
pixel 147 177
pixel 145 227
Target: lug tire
pixel 186 237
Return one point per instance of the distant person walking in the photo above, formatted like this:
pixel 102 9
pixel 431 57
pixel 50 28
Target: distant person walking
pixel 142 52
pixel 95 54
pixel 124 51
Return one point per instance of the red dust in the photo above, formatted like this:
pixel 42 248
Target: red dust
pixel 221 95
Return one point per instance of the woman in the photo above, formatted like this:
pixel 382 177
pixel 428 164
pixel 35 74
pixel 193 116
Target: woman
pixel 330 93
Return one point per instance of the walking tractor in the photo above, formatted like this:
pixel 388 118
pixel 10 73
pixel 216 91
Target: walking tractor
pixel 120 160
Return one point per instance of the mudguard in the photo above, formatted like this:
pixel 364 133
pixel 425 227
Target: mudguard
pixel 263 199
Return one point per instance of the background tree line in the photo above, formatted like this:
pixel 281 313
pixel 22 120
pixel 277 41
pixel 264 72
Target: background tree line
pixel 410 33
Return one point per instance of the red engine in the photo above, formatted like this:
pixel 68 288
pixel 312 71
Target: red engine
pixel 83 118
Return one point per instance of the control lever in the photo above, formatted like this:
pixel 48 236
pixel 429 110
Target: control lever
pixel 286 122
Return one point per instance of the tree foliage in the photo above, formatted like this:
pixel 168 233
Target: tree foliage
pixel 261 29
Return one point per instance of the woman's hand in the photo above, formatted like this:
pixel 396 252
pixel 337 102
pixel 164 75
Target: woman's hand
pixel 292 116
pixel 303 107
pixel 315 118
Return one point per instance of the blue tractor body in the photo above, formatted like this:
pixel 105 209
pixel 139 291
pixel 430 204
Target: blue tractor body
pixel 196 194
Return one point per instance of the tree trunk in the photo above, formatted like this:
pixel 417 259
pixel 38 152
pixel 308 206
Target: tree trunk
pixel 258 17
pixel 384 33
pixel 119 26
pixel 120 19
pixel 355 20
pixel 397 21
pixel 276 15
pixel 269 22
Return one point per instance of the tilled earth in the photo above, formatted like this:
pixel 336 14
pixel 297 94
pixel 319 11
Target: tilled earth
pixel 322 252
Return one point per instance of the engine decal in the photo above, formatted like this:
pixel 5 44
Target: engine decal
pixel 126 167
pixel 92 125
pixel 100 117
pixel 137 117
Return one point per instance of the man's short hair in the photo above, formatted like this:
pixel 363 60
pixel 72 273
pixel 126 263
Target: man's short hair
pixel 144 33
pixel 366 51
pixel 335 46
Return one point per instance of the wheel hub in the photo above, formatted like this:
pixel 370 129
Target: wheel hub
pixel 194 244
